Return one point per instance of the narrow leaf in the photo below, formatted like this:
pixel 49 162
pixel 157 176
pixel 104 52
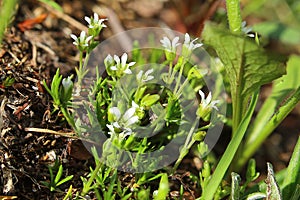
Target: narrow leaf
pixel 230 151
pixel 59 174
pixel 163 189
pixel 293 173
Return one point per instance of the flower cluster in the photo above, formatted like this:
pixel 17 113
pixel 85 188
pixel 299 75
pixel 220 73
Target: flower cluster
pixel 171 46
pixel 116 66
pixel 83 42
pixel 121 124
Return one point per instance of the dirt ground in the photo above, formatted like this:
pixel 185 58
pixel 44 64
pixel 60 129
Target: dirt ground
pixel 38 43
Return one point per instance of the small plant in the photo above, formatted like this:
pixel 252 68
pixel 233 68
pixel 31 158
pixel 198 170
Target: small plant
pixel 131 115
pixel 56 180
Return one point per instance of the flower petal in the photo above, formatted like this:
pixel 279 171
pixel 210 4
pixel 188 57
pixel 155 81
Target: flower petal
pixel 127 71
pixel 87 19
pixel 202 95
pixel 116 112
pixel 74 37
pixel 129 113
pixel 131 64
pixel 132 120
pixel 124 59
pixel 114 68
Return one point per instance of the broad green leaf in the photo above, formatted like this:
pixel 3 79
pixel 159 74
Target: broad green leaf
pixel 229 153
pixel 278 31
pixel 293 173
pixel 273 191
pixel 247 66
pixel 282 89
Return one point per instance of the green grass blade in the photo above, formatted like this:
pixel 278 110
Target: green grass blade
pixel 230 151
pixel 7 10
pixel 293 173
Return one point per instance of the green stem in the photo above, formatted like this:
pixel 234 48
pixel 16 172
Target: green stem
pixel 87 186
pixel 68 117
pixel 188 143
pixel 170 72
pixel 253 144
pixel 8 8
pixel 234 16
pixel 179 78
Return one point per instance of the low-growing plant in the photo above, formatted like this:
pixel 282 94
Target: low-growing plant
pixel 56 179
pixel 115 113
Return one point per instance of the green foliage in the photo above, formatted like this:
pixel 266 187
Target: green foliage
pixel 246 64
pixel 56 180
pixel 7 11
pixel 122 113
pixel 284 95
pixel 292 180
pixel 52 4
pixel 277 30
pixel 163 189
pixel 229 153
pixel 9 81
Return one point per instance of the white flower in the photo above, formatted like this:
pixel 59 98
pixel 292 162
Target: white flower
pixel 95 22
pixel 206 102
pixel 121 66
pixel 189 46
pixel 144 77
pixel 170 46
pixel 206 106
pixel 82 42
pixel 122 123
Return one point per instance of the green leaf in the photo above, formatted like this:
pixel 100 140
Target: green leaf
pixel 229 153
pixel 273 191
pixel 163 189
pixel 282 89
pixel 296 195
pixel 149 100
pixel 246 64
pixel 251 173
pixel 292 177
pixel 68 178
pixel 278 31
pixel 59 174
pixel 53 4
